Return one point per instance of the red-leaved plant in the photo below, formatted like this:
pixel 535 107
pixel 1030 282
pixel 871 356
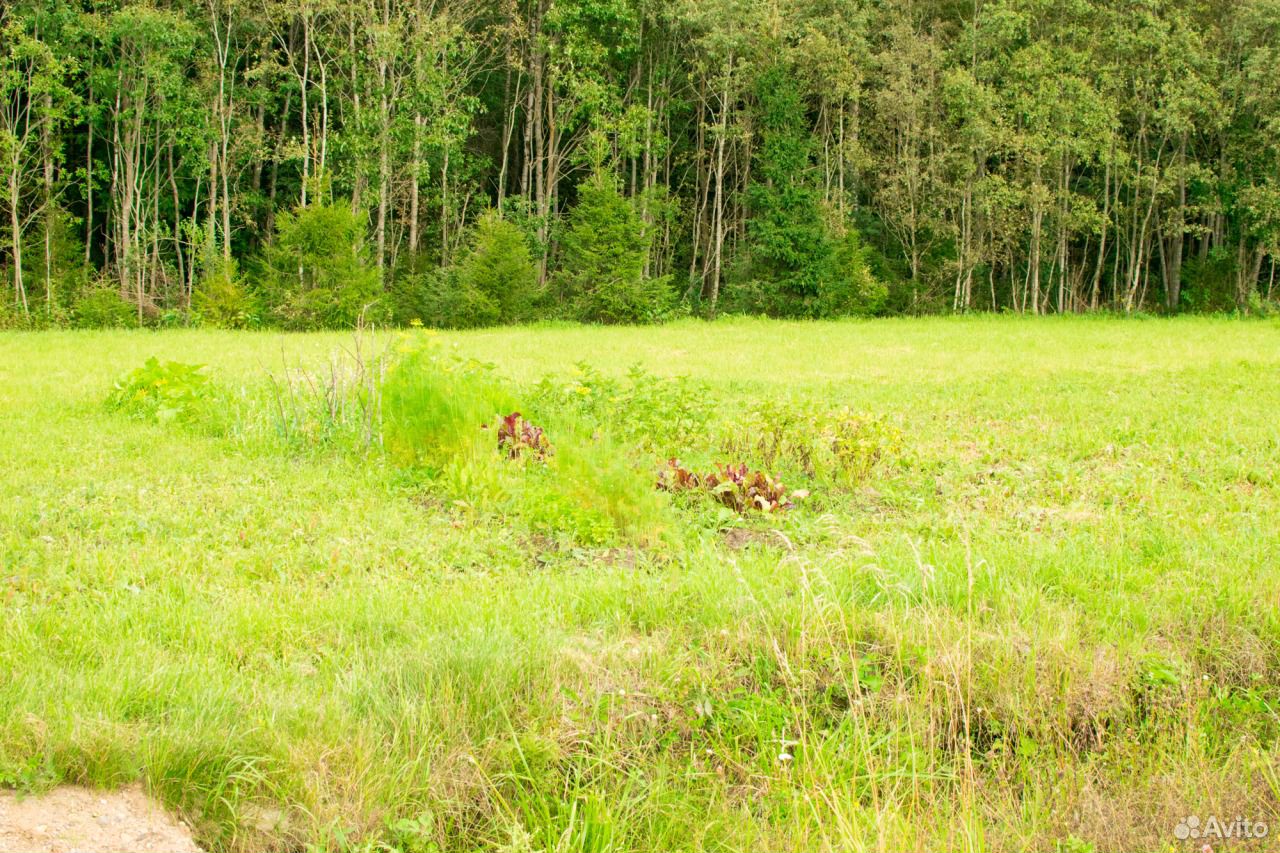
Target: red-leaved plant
pixel 741 489
pixel 735 486
pixel 517 436
pixel 674 477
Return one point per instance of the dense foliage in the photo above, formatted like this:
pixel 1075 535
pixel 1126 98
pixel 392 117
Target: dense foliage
pixel 470 162
pixel 604 252
pixel 315 272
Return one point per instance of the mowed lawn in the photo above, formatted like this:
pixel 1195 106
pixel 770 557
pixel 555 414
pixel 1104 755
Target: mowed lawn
pixel 1051 621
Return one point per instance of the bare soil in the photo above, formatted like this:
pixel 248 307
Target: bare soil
pixel 79 820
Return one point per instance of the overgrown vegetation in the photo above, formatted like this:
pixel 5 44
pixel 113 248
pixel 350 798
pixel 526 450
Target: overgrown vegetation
pixel 993 624
pixel 163 392
pixel 457 422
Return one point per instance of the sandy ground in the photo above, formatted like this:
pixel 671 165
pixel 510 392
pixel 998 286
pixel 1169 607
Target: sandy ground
pixel 79 820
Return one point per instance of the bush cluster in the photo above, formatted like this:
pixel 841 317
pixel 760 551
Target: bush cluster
pixel 317 272
pixel 570 458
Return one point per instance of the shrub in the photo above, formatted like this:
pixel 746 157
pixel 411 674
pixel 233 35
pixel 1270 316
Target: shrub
pixel 102 307
pixel 850 288
pixel 495 281
pixel 604 248
pixel 222 298
pixel 317 273
pixel 499 270
pixel 405 298
pixel 163 392
pixel 1210 283
pixel 12 316
pixel 70 274
pixel 1260 306
pixel 450 304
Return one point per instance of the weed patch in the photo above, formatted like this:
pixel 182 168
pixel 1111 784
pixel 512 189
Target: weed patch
pixel 656 414
pixel 837 447
pixel 337 405
pixel 163 391
pixel 441 416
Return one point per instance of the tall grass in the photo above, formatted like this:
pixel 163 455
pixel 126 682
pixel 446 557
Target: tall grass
pixel 337 404
pixel 441 416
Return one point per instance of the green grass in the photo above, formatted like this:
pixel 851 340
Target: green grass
pixel 1049 622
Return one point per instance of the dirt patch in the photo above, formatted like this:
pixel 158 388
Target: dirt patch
pixel 79 820
pixel 737 538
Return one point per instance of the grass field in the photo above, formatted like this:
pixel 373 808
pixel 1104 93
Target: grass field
pixel 1046 618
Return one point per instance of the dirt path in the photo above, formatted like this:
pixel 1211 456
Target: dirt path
pixel 80 820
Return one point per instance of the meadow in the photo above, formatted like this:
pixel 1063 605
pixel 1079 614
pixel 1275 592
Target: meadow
pixel 1033 606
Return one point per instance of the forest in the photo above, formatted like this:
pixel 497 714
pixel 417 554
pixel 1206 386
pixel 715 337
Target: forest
pixel 311 163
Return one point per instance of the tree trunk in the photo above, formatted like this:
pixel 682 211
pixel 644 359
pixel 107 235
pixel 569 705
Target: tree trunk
pixel 1102 242
pixel 1033 261
pixel 1177 236
pixel 384 166
pixel 415 179
pixel 88 180
pixel 15 239
pixel 718 225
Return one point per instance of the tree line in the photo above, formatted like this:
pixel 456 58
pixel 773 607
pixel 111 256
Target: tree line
pixel 455 162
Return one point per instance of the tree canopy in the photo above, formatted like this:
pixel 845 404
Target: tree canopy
pixel 790 158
